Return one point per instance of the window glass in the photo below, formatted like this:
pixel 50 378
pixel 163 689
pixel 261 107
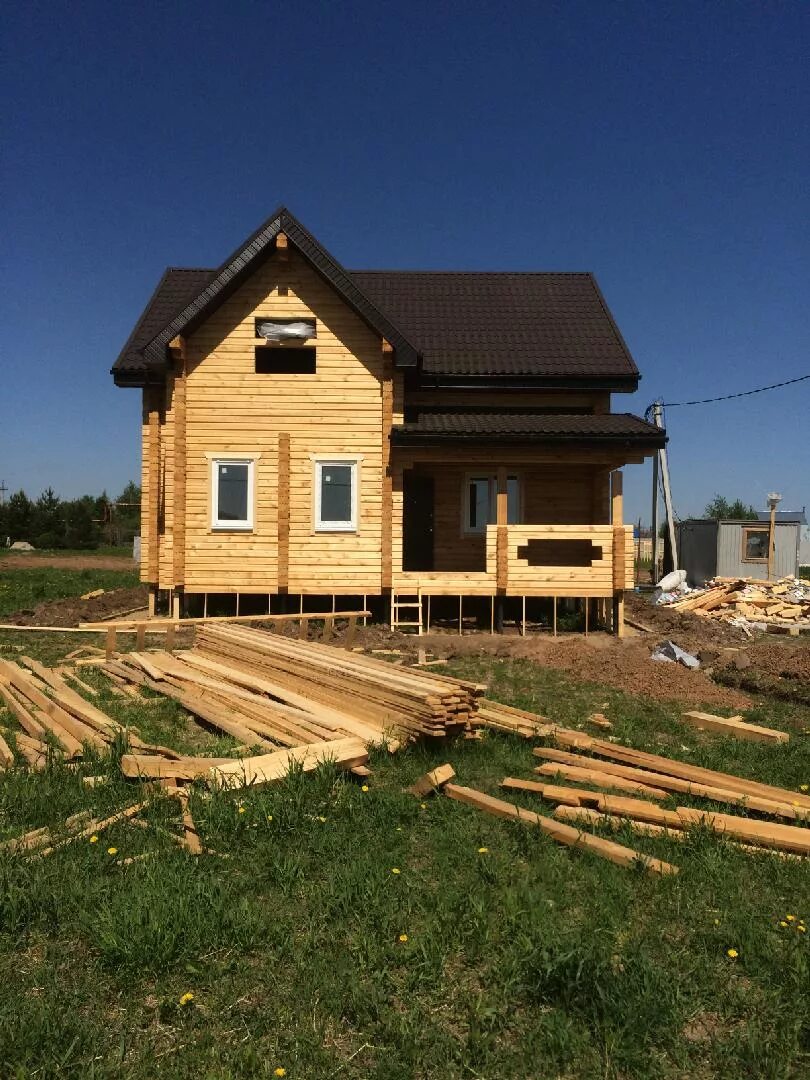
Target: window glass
pixel 232 491
pixel 336 495
pixel 479 503
pixel 756 544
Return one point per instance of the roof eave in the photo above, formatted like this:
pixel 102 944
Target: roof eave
pixel 618 383
pixel 630 442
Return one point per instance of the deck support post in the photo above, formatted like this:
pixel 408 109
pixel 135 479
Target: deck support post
pixel 151 603
pixel 176 604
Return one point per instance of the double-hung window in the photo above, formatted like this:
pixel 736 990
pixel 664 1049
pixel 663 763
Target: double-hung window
pixel 232 487
pixel 481 501
pixel 336 495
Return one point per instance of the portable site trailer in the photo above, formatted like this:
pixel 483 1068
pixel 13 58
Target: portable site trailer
pixel 708 549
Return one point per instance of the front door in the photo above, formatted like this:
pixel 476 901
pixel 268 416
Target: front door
pixel 417 524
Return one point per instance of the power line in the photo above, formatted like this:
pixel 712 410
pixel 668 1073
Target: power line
pixel 728 397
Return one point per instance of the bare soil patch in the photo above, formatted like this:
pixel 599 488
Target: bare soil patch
pixel 30 561
pixel 72 609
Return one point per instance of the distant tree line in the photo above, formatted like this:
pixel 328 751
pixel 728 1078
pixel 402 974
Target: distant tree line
pixel 86 522
pixel 722 510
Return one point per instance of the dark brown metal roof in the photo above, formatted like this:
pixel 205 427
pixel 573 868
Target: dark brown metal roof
pixel 465 326
pixel 503 324
pixel 177 287
pixel 614 428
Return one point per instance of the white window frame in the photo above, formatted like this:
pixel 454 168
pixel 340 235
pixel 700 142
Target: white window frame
pixel 480 530
pixel 233 459
pixel 318 465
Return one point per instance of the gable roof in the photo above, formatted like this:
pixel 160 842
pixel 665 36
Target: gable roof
pixel 463 327
pixel 553 325
pixel 137 365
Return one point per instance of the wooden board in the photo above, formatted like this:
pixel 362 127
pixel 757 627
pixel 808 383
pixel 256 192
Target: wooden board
pixel 734 726
pixel 269 767
pixel 564 834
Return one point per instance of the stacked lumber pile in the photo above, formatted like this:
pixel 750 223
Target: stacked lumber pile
pixel 600 769
pixel 783 602
pixel 373 693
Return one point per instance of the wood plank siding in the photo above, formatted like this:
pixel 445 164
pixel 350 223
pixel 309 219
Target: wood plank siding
pixel 229 409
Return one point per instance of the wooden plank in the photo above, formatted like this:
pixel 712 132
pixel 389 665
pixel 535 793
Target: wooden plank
pixel 276 766
pixel 162 624
pixel 6 756
pixel 151 505
pixel 600 779
pixel 152 766
pixel 179 463
pixel 386 509
pixel 677 784
pixel 672 767
pixel 23 716
pixel 734 726
pixel 283 512
pixel 96 826
pixel 564 834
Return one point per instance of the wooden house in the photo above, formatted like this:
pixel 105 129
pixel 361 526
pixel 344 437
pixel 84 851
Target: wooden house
pixel 311 431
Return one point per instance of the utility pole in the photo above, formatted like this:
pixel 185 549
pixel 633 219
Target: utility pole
pixel 3 490
pixel 655 540
pixel 660 462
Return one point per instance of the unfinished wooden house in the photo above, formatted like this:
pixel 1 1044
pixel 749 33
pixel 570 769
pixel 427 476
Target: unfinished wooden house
pixel 392 436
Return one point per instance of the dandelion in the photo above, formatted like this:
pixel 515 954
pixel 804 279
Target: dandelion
pixel 241 809
pixel 395 870
pixel 732 953
pixel 112 850
pixel 791 918
pixel 403 938
pixel 802 928
pixel 279 1071
pixel 483 850
pixel 783 924
pixel 94 839
pixel 804 787
pixel 269 817
pixel 423 806
pixel 716 922
pixel 321 819
pixel 364 787
pixel 186 999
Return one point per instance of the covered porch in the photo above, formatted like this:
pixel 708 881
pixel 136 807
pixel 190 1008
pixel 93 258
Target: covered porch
pixel 510 522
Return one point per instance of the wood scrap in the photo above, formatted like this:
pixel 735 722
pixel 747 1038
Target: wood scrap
pixel 734 726
pixel 584 775
pixel 432 781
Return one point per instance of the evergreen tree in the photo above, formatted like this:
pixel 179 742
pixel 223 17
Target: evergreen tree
pixel 19 517
pixel 48 526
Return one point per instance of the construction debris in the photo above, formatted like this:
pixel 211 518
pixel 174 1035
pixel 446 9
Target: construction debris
pixel 671 653
pixel 750 603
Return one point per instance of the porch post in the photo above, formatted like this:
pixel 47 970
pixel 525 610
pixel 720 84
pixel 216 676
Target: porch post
pixel 617 511
pixel 502 545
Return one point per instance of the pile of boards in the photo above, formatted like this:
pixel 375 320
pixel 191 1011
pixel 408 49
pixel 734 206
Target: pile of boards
pixel 784 602
pixel 273 693
pixel 765 816
pixel 54 717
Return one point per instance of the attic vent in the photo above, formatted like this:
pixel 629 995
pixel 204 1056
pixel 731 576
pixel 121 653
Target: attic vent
pixel 280 330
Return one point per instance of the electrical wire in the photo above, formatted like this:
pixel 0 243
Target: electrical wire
pixel 728 397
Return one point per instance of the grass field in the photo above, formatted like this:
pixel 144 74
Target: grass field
pixel 21 589
pixel 360 933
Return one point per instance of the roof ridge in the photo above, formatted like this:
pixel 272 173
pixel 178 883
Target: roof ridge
pixel 492 273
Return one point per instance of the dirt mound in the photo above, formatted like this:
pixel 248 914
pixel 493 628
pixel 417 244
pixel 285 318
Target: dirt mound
pixel 72 610
pixel 601 659
pixel 691 632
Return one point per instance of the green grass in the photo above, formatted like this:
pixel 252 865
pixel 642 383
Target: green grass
pixel 525 960
pixel 123 551
pixel 21 589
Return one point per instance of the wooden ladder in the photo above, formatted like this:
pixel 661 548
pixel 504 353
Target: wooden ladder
pixel 410 603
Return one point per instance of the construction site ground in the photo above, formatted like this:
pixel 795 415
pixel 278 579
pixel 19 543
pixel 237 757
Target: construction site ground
pixel 345 928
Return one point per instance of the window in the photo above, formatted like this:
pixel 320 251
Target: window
pixel 285 360
pixel 481 502
pixel 336 496
pixel 232 493
pixel 755 545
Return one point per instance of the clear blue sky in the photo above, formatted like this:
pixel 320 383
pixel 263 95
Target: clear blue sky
pixel 666 147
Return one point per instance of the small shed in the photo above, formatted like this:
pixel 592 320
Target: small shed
pixel 710 548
